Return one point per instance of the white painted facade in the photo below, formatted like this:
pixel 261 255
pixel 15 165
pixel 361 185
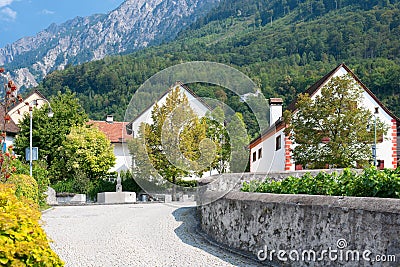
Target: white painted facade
pixel 10 140
pixel 198 107
pixel 123 160
pixel 18 112
pixel 273 160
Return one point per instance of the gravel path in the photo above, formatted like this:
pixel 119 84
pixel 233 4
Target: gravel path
pixel 132 235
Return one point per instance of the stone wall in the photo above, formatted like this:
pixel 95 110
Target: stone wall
pixel 299 225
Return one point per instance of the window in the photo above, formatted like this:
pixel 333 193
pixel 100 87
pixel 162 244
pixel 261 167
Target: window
pixel 380 164
pixel 278 142
pixel 254 156
pixel 260 153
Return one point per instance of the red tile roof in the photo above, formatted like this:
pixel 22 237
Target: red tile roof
pixel 115 131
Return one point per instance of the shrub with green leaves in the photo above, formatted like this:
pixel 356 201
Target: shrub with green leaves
pixel 80 184
pixel 187 183
pixel 22 240
pixel 26 186
pixel 39 172
pixel 370 183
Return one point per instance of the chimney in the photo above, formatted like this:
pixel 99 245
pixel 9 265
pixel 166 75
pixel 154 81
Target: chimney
pixel 110 119
pixel 275 110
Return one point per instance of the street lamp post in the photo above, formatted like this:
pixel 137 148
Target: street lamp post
pixel 50 115
pixel 374 147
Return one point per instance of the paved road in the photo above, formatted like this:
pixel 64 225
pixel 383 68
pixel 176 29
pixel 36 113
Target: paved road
pixel 132 235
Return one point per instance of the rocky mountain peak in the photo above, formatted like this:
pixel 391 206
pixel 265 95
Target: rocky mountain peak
pixel 133 25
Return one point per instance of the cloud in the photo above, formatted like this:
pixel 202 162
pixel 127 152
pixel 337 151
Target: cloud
pixel 4 3
pixel 8 14
pixel 47 12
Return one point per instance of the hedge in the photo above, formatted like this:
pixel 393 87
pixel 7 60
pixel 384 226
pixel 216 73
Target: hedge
pixel 370 183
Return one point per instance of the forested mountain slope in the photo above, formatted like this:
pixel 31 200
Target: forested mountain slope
pixel 283 45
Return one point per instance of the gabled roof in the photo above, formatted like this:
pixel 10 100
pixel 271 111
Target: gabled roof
pixel 10 126
pixel 115 131
pixel 36 92
pixel 178 83
pixel 315 87
pixel 19 105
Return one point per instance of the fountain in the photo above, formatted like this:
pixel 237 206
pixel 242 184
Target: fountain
pixel 118 196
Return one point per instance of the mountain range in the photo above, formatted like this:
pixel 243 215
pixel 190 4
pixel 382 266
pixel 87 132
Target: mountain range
pixel 283 45
pixel 133 25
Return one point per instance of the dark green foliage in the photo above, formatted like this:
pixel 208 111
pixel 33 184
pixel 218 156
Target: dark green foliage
pixel 187 183
pixel 128 183
pixel 83 185
pixel 370 183
pixel 49 133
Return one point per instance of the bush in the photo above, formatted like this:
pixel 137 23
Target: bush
pixel 22 241
pixel 39 172
pixel 128 183
pixel 370 183
pixel 100 185
pixel 63 186
pixel 25 186
pixel 83 185
pixel 80 184
pixel 187 183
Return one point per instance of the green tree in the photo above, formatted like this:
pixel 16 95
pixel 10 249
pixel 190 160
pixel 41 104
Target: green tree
pixel 238 142
pixel 49 133
pixel 220 137
pixel 332 129
pixel 86 153
pixel 175 144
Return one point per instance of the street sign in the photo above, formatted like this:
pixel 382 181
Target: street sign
pixel 35 153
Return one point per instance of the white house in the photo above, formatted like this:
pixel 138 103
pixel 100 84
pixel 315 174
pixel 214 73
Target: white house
pixel 198 106
pixel 18 112
pixel 116 133
pixel 271 151
pixel 196 103
pixel 9 127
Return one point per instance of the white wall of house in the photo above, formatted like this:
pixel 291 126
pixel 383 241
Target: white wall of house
pixel 383 149
pixel 123 158
pixel 198 107
pixel 271 159
pixel 23 108
pixel 10 140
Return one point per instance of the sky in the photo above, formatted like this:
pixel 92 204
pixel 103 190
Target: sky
pixel 20 18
